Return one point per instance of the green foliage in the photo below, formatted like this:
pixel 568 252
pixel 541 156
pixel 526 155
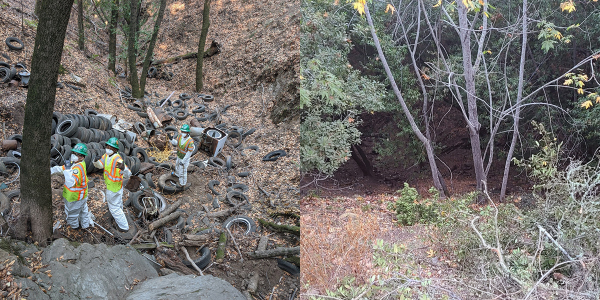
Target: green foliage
pixel 62 70
pixel 410 208
pixel 332 93
pixel 542 165
pixel 31 23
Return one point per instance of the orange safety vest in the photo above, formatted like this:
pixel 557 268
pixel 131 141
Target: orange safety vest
pixel 183 149
pixel 78 191
pixel 112 175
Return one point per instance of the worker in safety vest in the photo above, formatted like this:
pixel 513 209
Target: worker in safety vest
pixel 75 190
pixel 114 172
pixel 185 147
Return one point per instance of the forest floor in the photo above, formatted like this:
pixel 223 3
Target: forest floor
pixel 260 45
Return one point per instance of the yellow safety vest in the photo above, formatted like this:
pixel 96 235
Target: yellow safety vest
pixel 183 149
pixel 78 191
pixel 112 174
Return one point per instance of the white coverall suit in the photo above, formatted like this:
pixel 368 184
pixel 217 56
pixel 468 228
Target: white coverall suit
pixel 114 199
pixel 76 211
pixel 185 148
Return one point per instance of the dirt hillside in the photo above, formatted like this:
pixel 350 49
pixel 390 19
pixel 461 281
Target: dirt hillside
pixel 255 72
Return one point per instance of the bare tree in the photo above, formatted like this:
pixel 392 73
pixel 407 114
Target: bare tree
pixel 202 44
pixel 112 35
pixel 138 87
pixel 80 28
pixel 426 142
pixel 36 203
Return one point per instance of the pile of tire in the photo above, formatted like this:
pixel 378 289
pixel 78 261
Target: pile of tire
pixel 94 131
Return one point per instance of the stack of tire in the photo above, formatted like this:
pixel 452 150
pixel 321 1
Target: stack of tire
pixel 94 131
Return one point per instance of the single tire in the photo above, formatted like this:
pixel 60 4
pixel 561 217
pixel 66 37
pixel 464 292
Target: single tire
pixel 208 98
pixel 165 184
pixel 184 96
pixel 288 267
pixel 139 127
pixel 235 194
pixel 274 155
pixel 217 162
pixel 234 138
pixel 142 114
pixel 10 40
pixel 181 114
pixel 211 185
pixel 203 261
pixel 228 163
pixel 250 225
pixel 149 180
pixel 90 112
pixel 152 72
pixel 248 132
pixel 132 196
pixel 200 109
pixel 177 103
pixel 16 137
pixel 4 74
pixel 141 152
pixel 240 187
pixel 243 174
pixel 67 127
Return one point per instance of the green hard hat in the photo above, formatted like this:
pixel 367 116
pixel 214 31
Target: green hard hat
pixel 81 148
pixel 185 128
pixel 113 142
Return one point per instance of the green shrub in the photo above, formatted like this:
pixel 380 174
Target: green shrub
pixel 410 208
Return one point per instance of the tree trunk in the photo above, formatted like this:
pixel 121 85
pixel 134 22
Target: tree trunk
pixel 159 17
pixel 407 113
pixel 80 41
pixel 517 114
pixel 473 117
pixel 38 5
pixel 112 36
pixel 132 49
pixel 201 44
pixel 36 196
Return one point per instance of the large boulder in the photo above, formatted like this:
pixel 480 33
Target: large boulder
pixel 187 287
pixel 91 271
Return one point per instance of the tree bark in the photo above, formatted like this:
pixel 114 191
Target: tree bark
pixel 38 5
pixel 132 49
pixel 517 114
pixel 274 252
pixel 201 44
pixel 112 36
pixel 407 113
pixel 36 192
pixel 150 51
pixel 80 31
pixel 473 116
pixel 164 220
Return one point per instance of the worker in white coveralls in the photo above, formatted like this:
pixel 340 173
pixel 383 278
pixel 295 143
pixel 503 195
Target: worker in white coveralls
pixel 185 148
pixel 114 172
pixel 75 190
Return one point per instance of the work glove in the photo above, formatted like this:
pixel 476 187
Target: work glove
pixel 98 164
pixel 56 169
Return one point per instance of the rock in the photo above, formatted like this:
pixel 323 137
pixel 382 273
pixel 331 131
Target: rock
pixel 187 287
pixel 93 271
pixel 30 290
pixel 18 269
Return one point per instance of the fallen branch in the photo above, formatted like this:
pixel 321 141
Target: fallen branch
pixel 149 246
pixel 253 283
pixel 187 255
pixel 221 247
pixel 236 245
pixel 189 243
pixel 281 228
pixel 197 237
pixel 162 221
pixel 225 213
pixel 281 251
pixel 173 207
